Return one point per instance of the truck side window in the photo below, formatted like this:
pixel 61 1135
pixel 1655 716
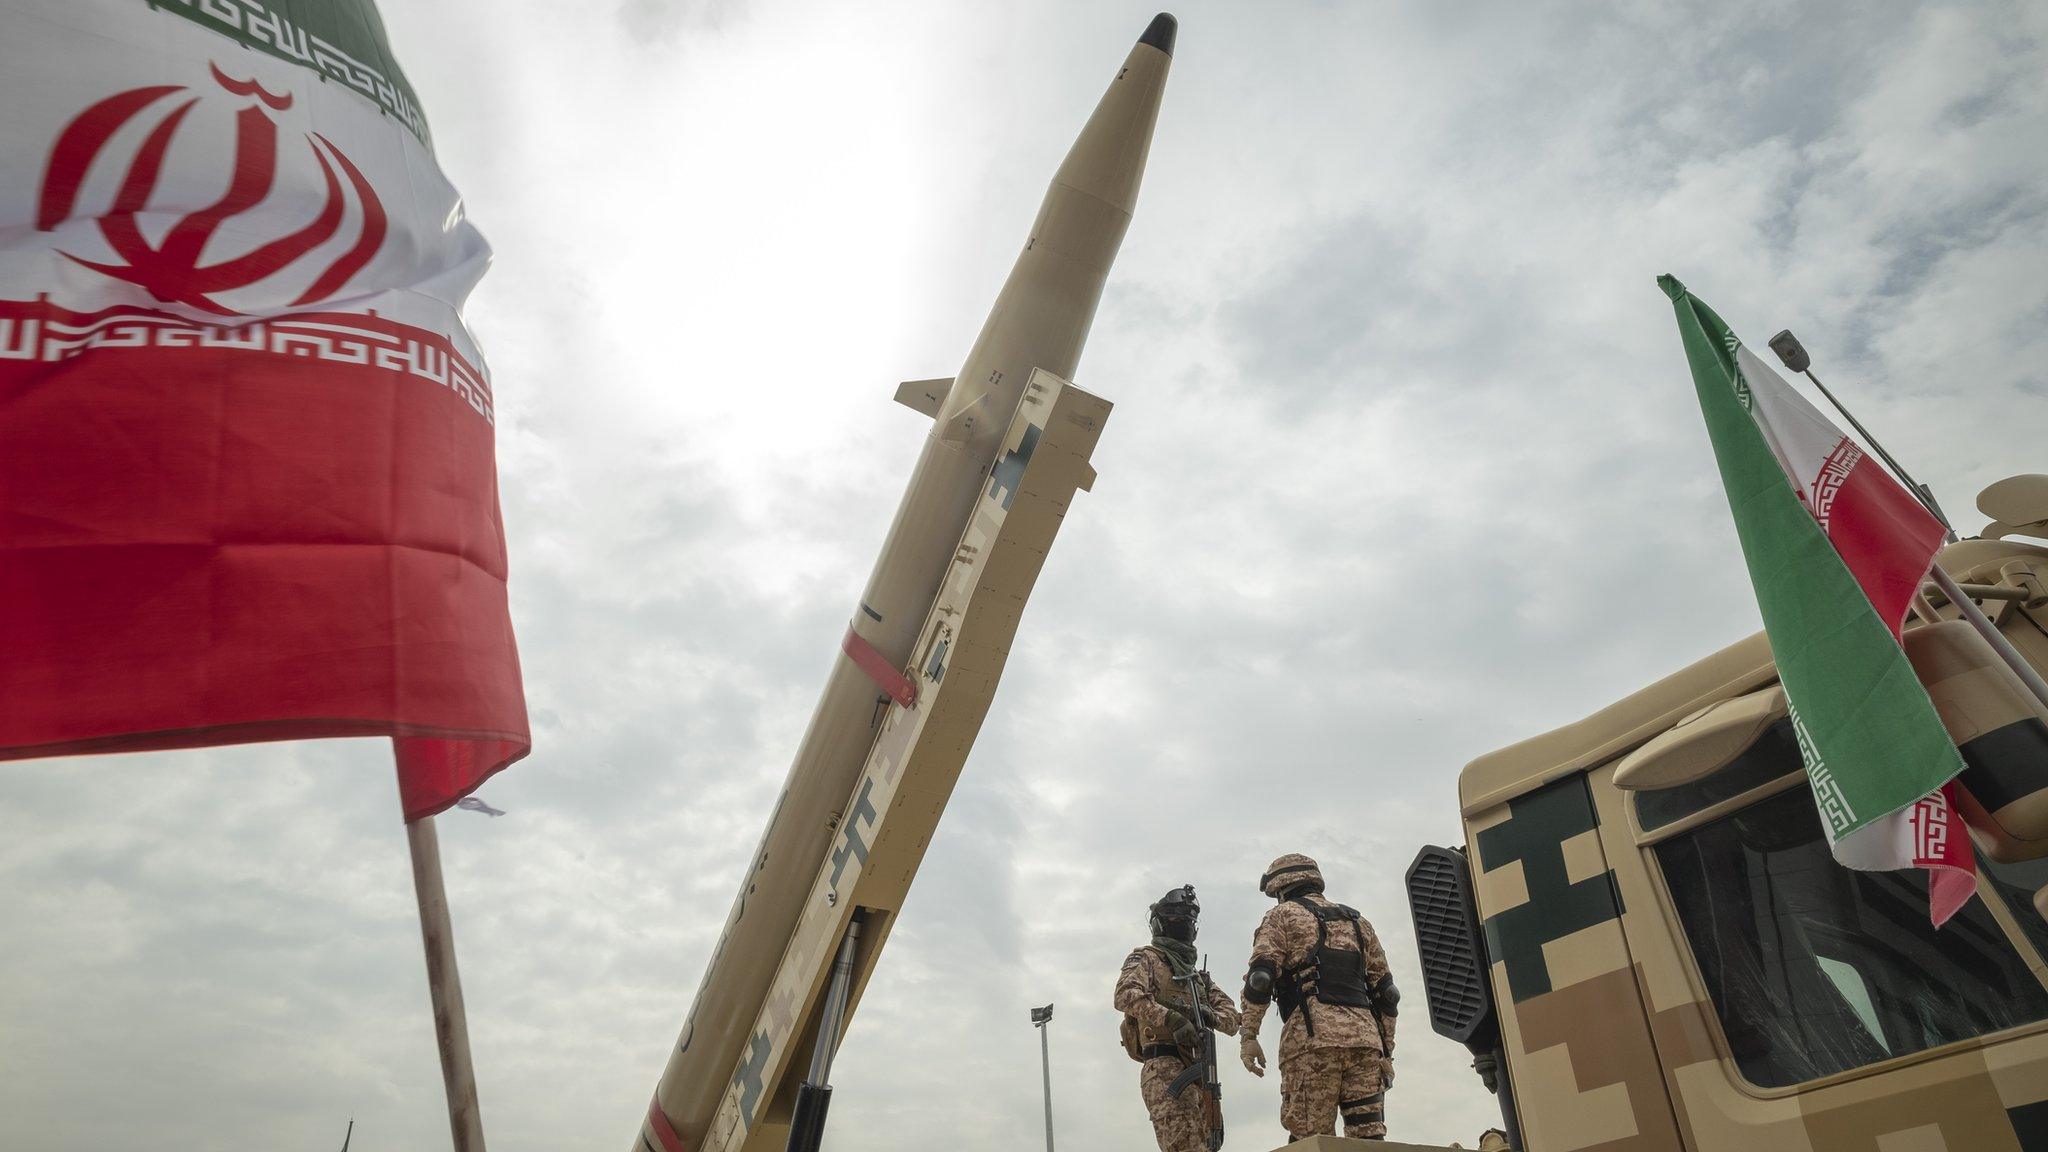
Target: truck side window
pixel 1814 968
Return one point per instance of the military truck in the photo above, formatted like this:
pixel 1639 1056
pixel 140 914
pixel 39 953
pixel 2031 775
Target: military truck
pixel 1647 945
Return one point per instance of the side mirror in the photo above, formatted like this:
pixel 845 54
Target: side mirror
pixel 2016 504
pixel 1702 743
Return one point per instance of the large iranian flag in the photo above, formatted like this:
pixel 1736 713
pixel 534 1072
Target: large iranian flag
pixel 1836 550
pixel 248 487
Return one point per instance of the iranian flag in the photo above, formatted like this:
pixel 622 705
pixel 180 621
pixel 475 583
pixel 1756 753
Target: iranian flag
pixel 1836 550
pixel 248 485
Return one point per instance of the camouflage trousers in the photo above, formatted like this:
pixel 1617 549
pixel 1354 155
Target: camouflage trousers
pixel 1179 1124
pixel 1320 1084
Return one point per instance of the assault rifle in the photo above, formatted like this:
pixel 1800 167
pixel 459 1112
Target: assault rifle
pixel 1202 1069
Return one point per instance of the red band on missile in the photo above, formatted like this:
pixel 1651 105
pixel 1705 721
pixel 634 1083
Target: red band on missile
pixel 899 687
pixel 663 1130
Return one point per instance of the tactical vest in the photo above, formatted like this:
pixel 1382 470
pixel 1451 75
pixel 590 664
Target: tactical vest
pixel 1330 975
pixel 1132 1035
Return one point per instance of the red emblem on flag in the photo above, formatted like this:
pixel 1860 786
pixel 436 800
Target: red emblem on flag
pixel 236 517
pixel 172 269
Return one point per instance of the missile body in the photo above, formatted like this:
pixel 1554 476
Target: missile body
pixel 1040 321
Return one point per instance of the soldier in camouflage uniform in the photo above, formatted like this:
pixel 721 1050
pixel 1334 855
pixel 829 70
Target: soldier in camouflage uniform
pixel 1158 1028
pixel 1324 964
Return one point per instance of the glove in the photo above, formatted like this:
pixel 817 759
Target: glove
pixel 1181 1029
pixel 1252 1054
pixel 1386 1072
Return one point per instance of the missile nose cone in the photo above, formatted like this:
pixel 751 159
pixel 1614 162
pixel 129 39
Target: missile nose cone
pixel 1108 158
pixel 1159 33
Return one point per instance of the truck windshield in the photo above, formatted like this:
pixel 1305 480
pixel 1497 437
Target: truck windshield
pixel 1815 969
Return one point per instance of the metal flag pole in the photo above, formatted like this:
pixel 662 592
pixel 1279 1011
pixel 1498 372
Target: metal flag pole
pixel 1040 1017
pixel 444 985
pixel 1793 355
pixel 1989 632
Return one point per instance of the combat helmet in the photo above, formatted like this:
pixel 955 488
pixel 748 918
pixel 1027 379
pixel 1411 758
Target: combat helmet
pixel 1175 914
pixel 1291 874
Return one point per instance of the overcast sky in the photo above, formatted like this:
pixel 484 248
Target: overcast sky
pixel 1405 466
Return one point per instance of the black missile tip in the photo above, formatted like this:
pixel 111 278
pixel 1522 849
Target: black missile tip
pixel 1159 33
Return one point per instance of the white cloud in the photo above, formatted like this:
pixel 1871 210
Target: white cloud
pixel 1402 419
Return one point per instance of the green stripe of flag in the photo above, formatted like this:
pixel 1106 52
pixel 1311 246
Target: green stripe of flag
pixel 1871 738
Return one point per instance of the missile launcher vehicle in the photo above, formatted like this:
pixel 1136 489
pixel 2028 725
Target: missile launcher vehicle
pixel 1644 939
pixel 1648 947
pixel 916 671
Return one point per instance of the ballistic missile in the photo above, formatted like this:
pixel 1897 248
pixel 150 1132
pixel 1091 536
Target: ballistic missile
pixel 1009 445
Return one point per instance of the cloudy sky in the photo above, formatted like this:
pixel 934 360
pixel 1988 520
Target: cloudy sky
pixel 1405 466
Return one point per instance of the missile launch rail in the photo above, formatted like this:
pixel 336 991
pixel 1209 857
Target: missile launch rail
pixel 1009 445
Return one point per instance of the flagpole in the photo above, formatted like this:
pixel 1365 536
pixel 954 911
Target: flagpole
pixel 1795 357
pixel 1990 632
pixel 1793 354
pixel 444 985
pixel 1924 608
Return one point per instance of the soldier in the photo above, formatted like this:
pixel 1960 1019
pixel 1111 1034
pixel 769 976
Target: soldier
pixel 1324 964
pixel 1159 1029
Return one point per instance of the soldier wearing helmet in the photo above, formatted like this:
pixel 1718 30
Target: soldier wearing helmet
pixel 1159 1028
pixel 1322 962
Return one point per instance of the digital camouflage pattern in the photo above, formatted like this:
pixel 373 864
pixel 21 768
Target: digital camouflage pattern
pixel 1145 991
pixel 1344 1061
pixel 1285 936
pixel 1609 1040
pixel 1178 1125
pixel 1290 871
pixel 1320 1084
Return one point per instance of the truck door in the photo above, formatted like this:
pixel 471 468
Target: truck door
pixel 1796 1004
pixel 1577 1036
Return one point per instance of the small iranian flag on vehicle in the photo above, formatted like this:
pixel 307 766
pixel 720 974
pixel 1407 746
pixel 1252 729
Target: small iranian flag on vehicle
pixel 1836 550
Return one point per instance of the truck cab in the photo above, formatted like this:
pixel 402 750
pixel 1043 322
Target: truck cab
pixel 1648 946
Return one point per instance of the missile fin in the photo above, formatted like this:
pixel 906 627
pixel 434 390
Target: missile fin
pixel 924 395
pixel 1087 482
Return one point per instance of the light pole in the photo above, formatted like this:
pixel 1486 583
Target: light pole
pixel 1040 1017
